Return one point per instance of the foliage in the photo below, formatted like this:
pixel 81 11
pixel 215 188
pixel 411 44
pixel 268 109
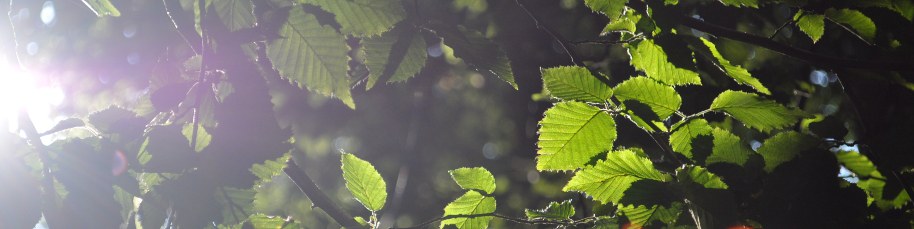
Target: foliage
pixel 673 125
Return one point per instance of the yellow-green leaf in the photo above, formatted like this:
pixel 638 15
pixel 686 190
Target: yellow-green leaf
pixel 474 179
pixel 571 134
pixel 608 179
pixel 364 182
pixel 858 23
pixel 813 25
pixel 662 99
pixel 739 74
pixel 650 58
pixel 575 83
pixel 471 203
pixel 783 147
pixel 363 18
pixel 761 114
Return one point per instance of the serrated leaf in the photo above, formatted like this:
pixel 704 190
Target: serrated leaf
pixel 610 8
pixel 471 203
pixel 761 114
pixel 363 18
pixel 739 74
pixel 64 125
pixel 312 55
pixel 813 25
pixel 474 179
pixel 105 120
pixel 236 204
pixel 783 147
pixel 728 148
pixel 652 60
pixel 478 52
pixel 608 180
pixel 662 99
pixel 571 134
pixel 394 56
pixel 554 211
pixel 628 22
pixel 270 168
pixel 859 164
pixel 235 14
pixel 102 8
pixel 740 3
pixel 640 216
pixel 701 176
pixel 364 182
pixel 575 83
pixel 203 137
pixel 859 24
pixel 685 133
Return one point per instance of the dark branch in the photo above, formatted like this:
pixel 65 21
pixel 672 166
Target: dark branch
pixel 318 197
pixel 807 56
pixel 184 24
pixel 555 36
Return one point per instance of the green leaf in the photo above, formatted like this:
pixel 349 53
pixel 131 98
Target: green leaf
pixel 740 3
pixel 739 74
pixel 477 52
pixel 575 83
pixel 394 56
pixel 662 99
pixel 203 137
pixel 728 148
pixel 107 119
pixel 571 134
pixel 236 204
pixel 167 150
pixel 650 58
pixel 761 114
pixel 811 24
pixel 610 8
pixel 260 221
pixel 235 14
pixel 312 56
pixel 555 211
pixel 471 203
pixel 474 179
pixel 363 18
pixel 783 147
pixel 905 8
pixel 701 176
pixel 859 164
pixel 685 133
pixel 628 22
pixel 364 182
pixel 102 8
pixel 859 24
pixel 270 168
pixel 608 180
pixel 640 216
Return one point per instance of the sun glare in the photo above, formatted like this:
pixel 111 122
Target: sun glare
pixel 23 90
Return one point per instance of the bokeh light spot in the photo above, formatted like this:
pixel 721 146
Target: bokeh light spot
pixel 48 13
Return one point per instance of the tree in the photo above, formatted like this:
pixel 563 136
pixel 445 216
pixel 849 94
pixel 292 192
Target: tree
pixel 663 114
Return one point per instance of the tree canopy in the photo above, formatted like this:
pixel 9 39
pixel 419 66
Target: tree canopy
pixel 457 114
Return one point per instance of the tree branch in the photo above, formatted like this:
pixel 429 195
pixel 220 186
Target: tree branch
pixel 807 56
pixel 318 197
pixel 555 36
pixel 183 24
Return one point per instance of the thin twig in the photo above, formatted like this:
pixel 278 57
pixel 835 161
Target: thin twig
pixel 318 197
pixel 791 21
pixel 202 77
pixel 562 42
pixel 566 223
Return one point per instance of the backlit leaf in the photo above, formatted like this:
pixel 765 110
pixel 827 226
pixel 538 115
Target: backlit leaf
pixel 783 147
pixel 739 74
pixel 394 56
pixel 312 55
pixel 685 133
pixel 471 203
pixel 235 14
pixel 555 211
pixel 858 23
pixel 640 216
pixel 700 176
pixel 662 99
pixel 813 25
pixel 608 180
pixel 761 114
pixel 363 18
pixel 610 8
pixel 364 182
pixel 650 58
pixel 741 3
pixel 474 179
pixel 575 83
pixel 571 134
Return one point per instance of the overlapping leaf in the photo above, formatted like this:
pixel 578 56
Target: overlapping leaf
pixel 685 133
pixel 363 18
pixel 640 216
pixel 739 74
pixel 783 147
pixel 761 114
pixel 555 211
pixel 474 179
pixel 728 148
pixel 571 134
pixel 364 182
pixel 813 25
pixel 650 58
pixel 477 52
pixel 235 14
pixel 575 83
pixel 312 55
pixel 858 23
pixel 394 56
pixel 701 176
pixel 608 180
pixel 662 99
pixel 471 203
pixel 610 8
